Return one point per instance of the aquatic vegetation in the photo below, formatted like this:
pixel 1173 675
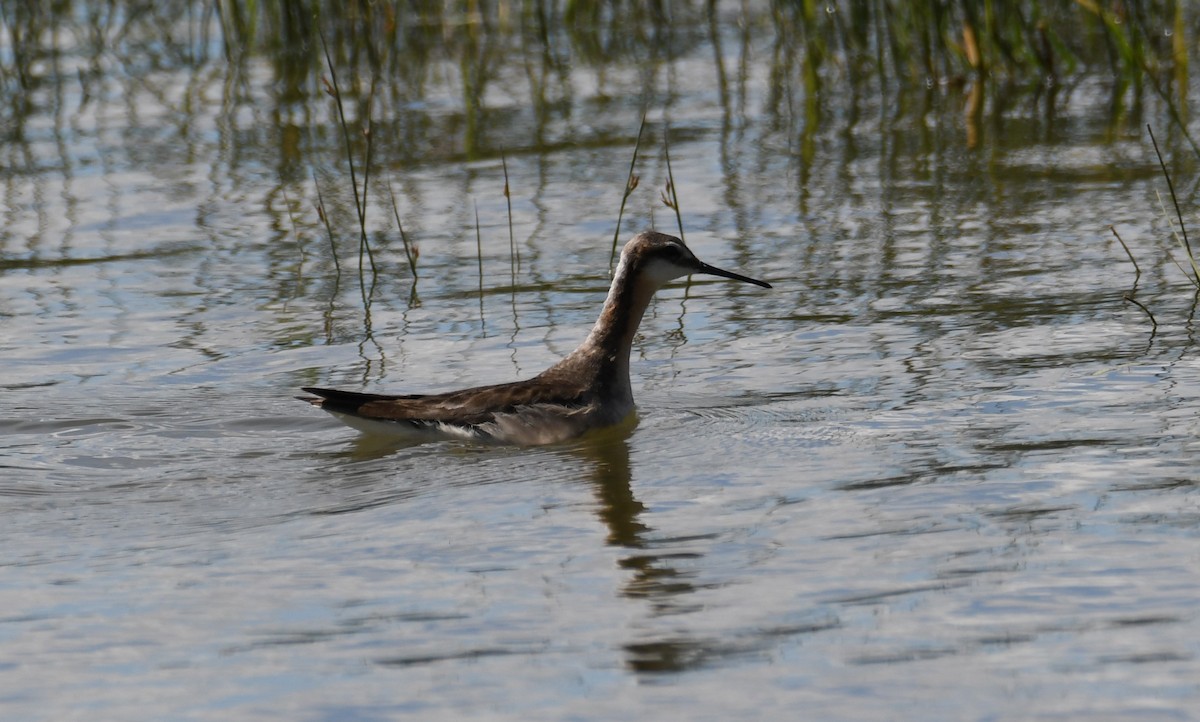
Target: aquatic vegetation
pixel 1178 232
pixel 996 50
pixel 360 88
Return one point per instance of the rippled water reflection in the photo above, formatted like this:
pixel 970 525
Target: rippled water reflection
pixel 942 471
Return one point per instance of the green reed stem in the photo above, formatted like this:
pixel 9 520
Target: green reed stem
pixel 669 197
pixel 360 201
pixel 408 249
pixel 631 184
pixel 337 266
pixel 1129 253
pixel 513 251
pixel 1187 246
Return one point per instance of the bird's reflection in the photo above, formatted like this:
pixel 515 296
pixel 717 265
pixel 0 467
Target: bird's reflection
pixel 607 454
pixel 650 558
pixel 654 579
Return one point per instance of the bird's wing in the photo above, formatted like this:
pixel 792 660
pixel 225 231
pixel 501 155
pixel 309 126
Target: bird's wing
pixel 468 407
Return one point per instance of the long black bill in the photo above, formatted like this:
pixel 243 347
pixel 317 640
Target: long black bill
pixel 714 271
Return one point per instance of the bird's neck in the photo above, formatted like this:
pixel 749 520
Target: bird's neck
pixel 604 355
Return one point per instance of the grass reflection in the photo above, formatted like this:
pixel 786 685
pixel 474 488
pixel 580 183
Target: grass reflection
pixel 526 51
pixel 443 84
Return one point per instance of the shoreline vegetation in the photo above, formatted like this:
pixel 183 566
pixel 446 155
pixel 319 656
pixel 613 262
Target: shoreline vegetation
pixel 360 88
pixel 994 56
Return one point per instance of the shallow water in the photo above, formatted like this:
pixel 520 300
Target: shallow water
pixel 942 470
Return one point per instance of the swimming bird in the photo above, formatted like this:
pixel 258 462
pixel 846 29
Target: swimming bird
pixel 589 389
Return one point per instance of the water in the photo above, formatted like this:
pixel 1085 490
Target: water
pixel 942 471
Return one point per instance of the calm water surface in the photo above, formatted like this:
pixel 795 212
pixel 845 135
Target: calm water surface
pixel 941 471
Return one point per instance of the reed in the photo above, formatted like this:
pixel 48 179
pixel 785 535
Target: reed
pixel 1136 269
pixel 324 217
pixel 823 54
pixel 410 250
pixel 668 195
pixel 479 260
pixel 1180 232
pixel 631 184
pixel 360 200
pixel 513 251
pixel 1129 296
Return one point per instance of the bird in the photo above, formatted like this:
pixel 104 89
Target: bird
pixel 588 389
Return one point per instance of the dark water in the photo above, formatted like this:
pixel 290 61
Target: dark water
pixel 942 471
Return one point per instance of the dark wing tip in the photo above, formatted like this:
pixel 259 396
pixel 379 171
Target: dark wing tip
pixel 318 395
pixel 344 402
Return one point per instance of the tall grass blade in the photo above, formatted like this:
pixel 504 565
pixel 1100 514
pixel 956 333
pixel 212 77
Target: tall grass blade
pixel 337 266
pixel 631 183
pixel 479 260
pixel 1182 235
pixel 670 197
pixel 1136 269
pixel 360 200
pixel 512 241
pixel 1129 297
pixel 409 250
